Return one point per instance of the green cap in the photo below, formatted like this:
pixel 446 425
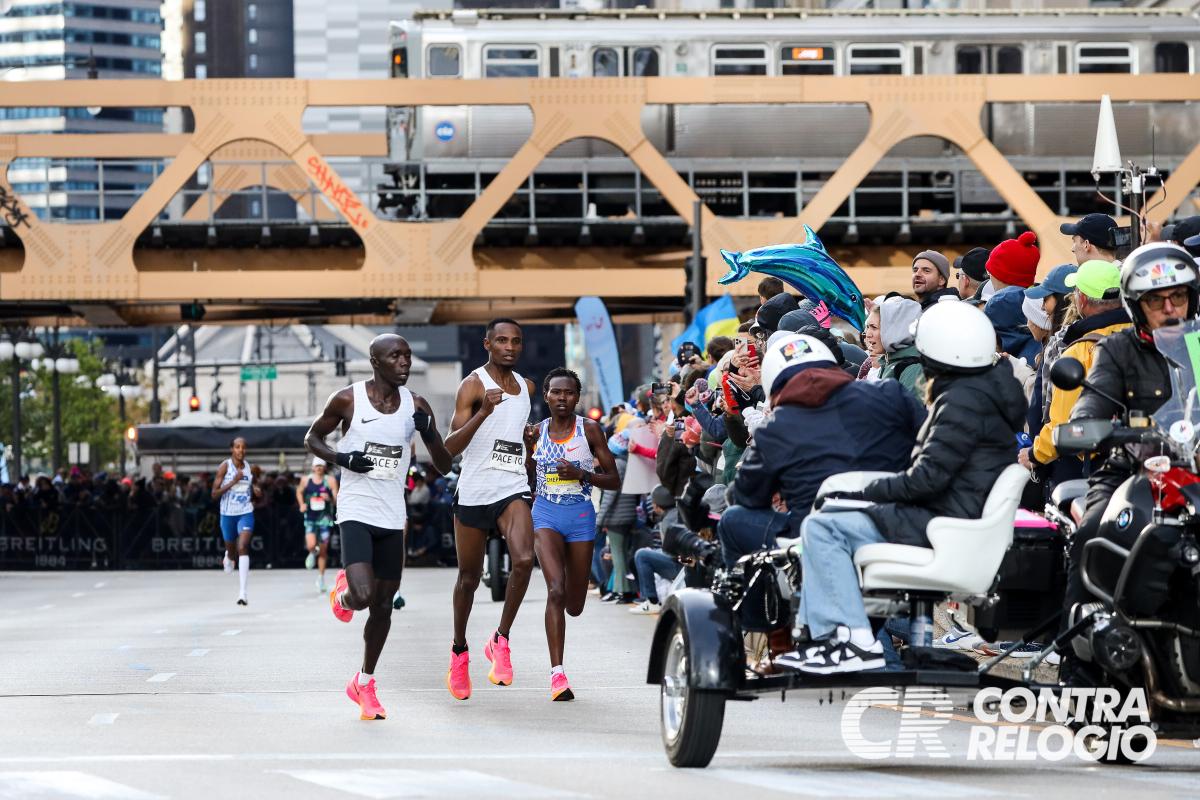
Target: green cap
pixel 1096 278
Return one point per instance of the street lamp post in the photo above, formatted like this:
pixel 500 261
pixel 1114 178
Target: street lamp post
pixel 17 349
pixel 121 385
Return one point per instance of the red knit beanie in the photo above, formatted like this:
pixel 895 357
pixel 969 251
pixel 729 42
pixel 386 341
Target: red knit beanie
pixel 1014 261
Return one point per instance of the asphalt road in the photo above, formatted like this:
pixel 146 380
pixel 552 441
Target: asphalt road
pixel 140 685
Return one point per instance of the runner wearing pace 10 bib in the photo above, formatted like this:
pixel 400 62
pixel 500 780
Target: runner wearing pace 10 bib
pixel 491 412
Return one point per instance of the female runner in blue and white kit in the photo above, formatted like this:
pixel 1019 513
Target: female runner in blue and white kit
pixel 563 453
pixel 234 487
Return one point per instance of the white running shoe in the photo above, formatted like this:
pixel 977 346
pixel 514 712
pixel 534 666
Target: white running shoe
pixel 321 586
pixel 310 561
pixel 227 564
pixel 645 607
pixel 958 639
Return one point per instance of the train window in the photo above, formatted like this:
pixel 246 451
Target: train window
pixel 510 61
pixel 443 61
pixel 974 59
pixel 1172 57
pixel 807 59
pixel 1104 57
pixel 606 63
pixel 643 63
pixel 739 60
pixel 968 60
pixel 875 59
pixel 1008 60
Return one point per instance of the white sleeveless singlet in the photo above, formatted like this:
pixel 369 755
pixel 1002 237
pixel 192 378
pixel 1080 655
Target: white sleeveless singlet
pixel 493 464
pixel 377 497
pixel 237 501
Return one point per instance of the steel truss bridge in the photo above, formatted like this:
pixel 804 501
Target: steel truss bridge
pixel 340 257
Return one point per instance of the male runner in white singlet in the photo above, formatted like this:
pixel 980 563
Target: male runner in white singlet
pixel 378 419
pixel 491 412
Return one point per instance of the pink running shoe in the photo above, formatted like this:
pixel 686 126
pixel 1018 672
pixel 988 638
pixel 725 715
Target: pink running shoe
pixel 497 651
pixel 339 586
pixel 560 689
pixel 458 679
pixel 368 703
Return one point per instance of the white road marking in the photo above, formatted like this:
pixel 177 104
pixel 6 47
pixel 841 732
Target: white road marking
pixel 160 631
pixel 29 785
pixel 161 677
pixel 231 632
pixel 198 652
pixel 386 783
pixel 849 783
pixel 587 755
pixel 100 585
pixel 79 594
pixel 45 607
pixel 103 719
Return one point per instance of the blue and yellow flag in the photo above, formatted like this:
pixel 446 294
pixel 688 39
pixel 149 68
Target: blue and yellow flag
pixel 718 318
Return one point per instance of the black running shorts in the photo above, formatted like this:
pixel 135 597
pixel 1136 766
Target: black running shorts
pixel 382 548
pixel 484 517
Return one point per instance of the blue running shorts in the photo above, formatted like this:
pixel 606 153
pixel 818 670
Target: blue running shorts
pixel 231 526
pixel 575 522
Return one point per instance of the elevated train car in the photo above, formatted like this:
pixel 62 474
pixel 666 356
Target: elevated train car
pixel 786 152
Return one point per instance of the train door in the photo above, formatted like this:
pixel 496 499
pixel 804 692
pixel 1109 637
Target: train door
pixel 444 129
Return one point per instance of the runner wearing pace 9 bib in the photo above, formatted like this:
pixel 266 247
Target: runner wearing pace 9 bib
pixel 234 487
pixel 378 420
pixel 564 451
pixel 491 412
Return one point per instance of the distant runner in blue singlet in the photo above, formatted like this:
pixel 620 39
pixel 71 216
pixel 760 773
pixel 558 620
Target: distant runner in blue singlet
pixel 564 451
pixel 234 488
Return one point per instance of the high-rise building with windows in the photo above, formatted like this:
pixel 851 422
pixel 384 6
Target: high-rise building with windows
pixel 42 40
pixel 237 39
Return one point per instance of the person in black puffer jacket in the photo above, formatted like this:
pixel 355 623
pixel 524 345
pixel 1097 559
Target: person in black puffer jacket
pixel 977 407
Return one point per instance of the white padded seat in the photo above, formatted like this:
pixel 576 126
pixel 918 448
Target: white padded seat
pixel 898 553
pixel 966 553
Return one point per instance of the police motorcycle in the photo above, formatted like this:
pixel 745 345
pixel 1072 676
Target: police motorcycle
pixel 1143 567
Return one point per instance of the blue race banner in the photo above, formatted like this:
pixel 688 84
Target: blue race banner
pixel 600 341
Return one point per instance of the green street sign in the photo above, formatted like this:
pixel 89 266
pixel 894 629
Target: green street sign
pixel 259 373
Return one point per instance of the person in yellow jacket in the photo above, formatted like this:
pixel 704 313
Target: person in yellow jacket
pixel 1097 297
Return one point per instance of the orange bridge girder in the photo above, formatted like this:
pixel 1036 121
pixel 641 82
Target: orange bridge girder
pixel 93 262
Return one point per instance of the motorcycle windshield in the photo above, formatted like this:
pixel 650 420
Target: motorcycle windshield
pixel 1179 417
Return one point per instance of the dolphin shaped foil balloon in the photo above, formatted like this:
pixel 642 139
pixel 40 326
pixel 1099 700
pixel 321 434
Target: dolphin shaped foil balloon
pixel 806 267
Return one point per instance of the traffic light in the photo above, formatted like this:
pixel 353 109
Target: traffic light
pixel 131 433
pixel 339 360
pixel 194 403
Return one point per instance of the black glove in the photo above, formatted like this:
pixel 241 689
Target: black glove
pixel 421 421
pixel 355 461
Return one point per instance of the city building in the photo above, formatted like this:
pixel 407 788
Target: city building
pixel 43 41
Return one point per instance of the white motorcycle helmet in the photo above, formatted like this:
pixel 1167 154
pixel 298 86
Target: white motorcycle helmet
pixel 1157 265
pixel 792 351
pixel 957 337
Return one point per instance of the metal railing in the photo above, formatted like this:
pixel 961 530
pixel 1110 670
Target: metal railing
pixel 596 192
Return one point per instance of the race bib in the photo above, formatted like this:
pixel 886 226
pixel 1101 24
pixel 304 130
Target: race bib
pixel 508 456
pixel 557 485
pixel 388 460
pixel 241 491
pixel 318 503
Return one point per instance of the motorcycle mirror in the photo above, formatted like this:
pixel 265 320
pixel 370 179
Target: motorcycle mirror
pixel 1067 374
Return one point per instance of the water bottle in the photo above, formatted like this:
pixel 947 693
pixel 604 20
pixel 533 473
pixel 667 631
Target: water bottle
pixel 922 631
